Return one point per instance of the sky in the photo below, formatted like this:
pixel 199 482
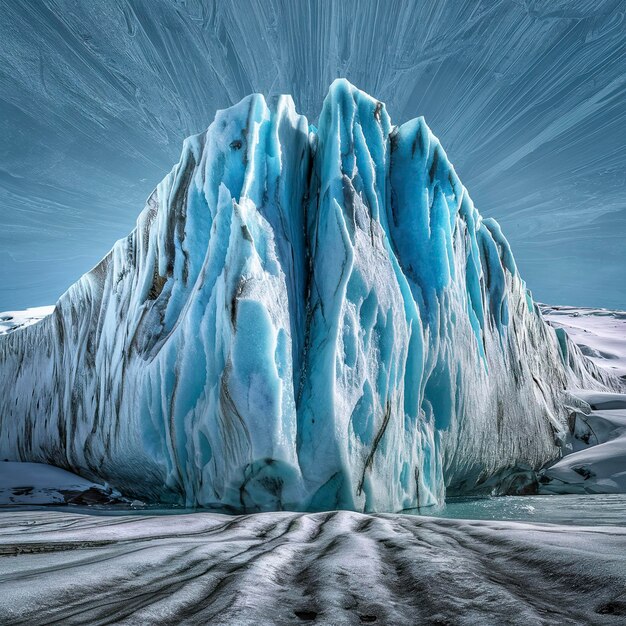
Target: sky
pixel 527 97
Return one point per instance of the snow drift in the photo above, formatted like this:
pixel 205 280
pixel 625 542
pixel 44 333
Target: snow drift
pixel 594 449
pixel 303 318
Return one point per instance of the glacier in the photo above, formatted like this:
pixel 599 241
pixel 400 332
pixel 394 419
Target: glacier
pixel 306 317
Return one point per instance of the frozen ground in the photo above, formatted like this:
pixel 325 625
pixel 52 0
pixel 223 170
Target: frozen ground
pixel 287 568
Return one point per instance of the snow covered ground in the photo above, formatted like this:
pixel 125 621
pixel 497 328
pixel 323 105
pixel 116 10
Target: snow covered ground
pixel 12 320
pixel 596 448
pixel 599 333
pixel 288 568
pixel 36 484
pixel 595 460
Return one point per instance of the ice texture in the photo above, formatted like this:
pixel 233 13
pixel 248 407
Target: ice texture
pixel 336 568
pixel 304 318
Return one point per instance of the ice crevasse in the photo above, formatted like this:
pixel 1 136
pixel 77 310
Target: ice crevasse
pixel 304 318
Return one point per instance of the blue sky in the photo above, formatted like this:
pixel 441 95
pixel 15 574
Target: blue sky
pixel 528 98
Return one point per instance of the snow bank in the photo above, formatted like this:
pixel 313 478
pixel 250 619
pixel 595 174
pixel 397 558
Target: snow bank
pixel 595 449
pixel 12 320
pixel 39 484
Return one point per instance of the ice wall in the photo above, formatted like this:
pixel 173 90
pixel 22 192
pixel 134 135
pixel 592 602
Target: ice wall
pixel 303 318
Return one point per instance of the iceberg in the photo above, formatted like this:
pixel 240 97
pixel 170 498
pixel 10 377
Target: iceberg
pixel 304 318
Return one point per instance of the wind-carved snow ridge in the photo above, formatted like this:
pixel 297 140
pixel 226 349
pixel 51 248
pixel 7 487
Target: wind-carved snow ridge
pixel 304 318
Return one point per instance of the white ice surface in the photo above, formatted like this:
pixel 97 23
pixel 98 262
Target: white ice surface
pixel 286 568
pixel 595 460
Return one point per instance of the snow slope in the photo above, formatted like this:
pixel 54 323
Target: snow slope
pixel 304 318
pixel 599 333
pixel 12 320
pixel 595 447
pixel 36 484
pixel 336 568
pixel 595 450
